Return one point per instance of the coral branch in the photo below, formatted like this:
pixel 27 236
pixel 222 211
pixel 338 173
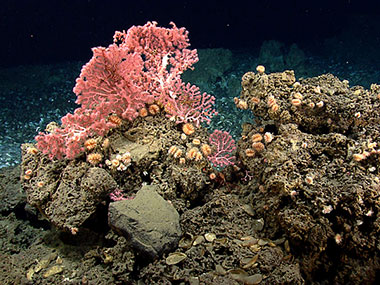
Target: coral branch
pixel 224 147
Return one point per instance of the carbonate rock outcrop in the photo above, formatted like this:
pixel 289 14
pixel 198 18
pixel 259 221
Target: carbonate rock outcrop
pixel 68 192
pixel 312 159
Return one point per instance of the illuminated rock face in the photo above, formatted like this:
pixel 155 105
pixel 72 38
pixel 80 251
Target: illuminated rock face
pixel 150 222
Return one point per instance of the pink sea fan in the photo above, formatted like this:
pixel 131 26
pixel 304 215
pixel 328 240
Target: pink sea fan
pixel 224 147
pixel 111 83
pixel 143 65
pixel 190 105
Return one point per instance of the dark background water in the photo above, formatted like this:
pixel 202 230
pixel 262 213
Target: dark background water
pixel 43 31
pixel 44 43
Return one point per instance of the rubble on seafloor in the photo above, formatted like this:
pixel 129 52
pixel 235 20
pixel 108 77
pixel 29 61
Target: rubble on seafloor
pixel 302 199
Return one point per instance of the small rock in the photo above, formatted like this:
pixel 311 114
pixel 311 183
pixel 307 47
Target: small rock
pixel 53 270
pixel 253 279
pixel 175 258
pixel 258 225
pixel 210 237
pixel 199 240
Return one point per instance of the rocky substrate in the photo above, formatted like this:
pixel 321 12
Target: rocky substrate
pixel 313 163
pixel 301 204
pixel 217 242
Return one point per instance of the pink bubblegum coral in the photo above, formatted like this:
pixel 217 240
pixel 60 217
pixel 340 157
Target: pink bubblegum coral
pixel 111 83
pixel 190 105
pixel 67 141
pixel 143 65
pixel 224 146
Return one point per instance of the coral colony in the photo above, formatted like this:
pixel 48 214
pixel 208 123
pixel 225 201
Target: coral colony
pixel 309 163
pixel 225 145
pixel 132 86
pixel 139 73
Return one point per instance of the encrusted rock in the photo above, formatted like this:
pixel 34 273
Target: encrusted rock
pixel 67 194
pixel 319 172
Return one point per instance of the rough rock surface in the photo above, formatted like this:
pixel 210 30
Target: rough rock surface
pixel 223 244
pixel 10 190
pixel 151 223
pixel 312 165
pixel 69 191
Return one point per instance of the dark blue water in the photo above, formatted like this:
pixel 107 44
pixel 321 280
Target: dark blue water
pixel 45 43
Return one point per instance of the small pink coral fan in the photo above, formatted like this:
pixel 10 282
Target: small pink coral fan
pixel 143 65
pixel 192 106
pixel 224 147
pixel 117 195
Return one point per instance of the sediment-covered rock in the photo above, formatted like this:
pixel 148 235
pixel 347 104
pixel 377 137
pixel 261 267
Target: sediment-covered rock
pixel 148 221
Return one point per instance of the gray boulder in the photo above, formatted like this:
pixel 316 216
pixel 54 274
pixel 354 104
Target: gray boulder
pixel 148 221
